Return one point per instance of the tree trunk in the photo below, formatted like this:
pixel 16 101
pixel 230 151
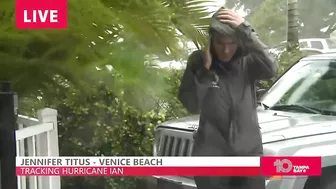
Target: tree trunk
pixel 293 23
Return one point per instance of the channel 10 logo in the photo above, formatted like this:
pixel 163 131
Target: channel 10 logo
pixel 283 166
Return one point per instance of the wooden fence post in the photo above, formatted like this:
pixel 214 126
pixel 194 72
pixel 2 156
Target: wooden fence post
pixel 47 145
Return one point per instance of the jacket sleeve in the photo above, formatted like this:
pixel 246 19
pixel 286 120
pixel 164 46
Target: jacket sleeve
pixel 194 84
pixel 261 64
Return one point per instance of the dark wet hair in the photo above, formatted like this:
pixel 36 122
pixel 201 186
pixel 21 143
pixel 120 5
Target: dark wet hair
pixel 213 33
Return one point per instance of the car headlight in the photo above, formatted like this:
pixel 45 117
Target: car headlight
pixel 272 178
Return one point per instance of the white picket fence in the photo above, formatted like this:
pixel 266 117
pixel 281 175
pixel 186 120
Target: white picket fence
pixel 38 137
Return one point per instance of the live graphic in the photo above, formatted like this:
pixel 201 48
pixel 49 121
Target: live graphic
pixel 41 14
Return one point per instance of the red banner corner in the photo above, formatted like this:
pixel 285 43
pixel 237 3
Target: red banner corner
pixel 291 166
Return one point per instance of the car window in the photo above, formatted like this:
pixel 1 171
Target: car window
pixel 316 44
pixel 304 44
pixel 308 83
pixel 331 43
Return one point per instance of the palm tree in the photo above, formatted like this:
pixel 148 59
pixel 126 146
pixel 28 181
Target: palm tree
pixel 100 32
pixel 293 23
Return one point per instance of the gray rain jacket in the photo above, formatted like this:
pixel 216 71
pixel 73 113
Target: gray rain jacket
pixel 228 118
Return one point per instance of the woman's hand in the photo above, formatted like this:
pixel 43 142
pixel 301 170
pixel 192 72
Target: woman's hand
pixel 208 56
pixel 230 17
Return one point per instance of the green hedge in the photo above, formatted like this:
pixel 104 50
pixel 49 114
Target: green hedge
pixel 103 123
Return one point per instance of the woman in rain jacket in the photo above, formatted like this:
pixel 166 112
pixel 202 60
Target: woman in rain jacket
pixel 219 83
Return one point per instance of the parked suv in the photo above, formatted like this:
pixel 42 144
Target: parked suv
pixel 297 116
pixel 323 44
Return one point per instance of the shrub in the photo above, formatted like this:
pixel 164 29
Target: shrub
pixel 103 123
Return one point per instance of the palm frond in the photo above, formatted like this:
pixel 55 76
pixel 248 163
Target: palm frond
pixel 119 33
pixel 192 19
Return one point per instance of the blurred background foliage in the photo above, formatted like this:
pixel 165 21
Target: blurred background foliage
pixel 99 72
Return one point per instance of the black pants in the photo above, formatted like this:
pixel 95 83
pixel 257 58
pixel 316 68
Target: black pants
pixel 230 182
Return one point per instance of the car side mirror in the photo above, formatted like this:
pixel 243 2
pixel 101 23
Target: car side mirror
pixel 260 93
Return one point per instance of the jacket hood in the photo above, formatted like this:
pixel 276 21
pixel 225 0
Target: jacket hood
pixel 221 28
pixel 226 30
